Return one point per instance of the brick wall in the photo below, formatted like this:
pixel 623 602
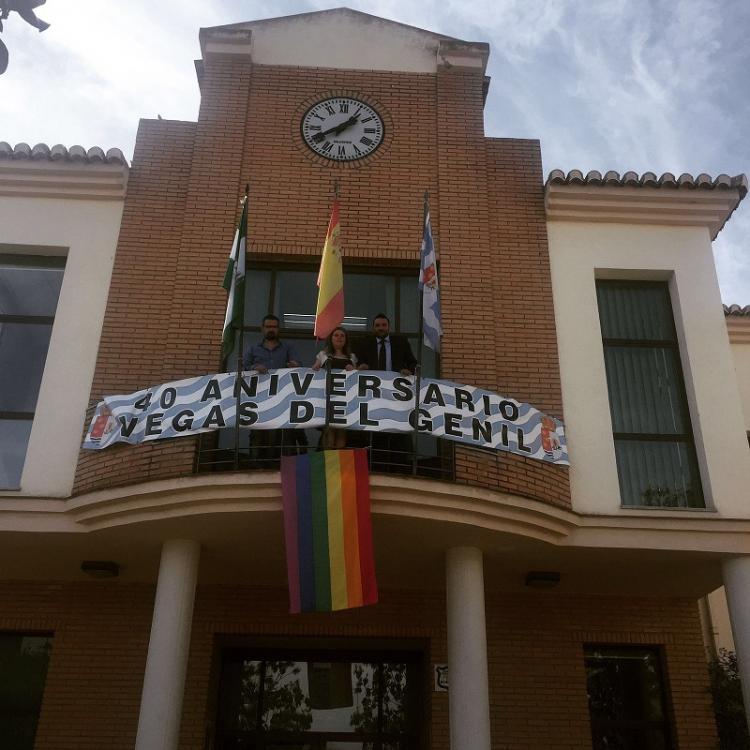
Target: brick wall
pixel 166 304
pixel 524 351
pixel 535 653
pixel 136 324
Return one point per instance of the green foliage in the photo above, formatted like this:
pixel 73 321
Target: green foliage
pixel 728 706
pixel 366 688
pixel 285 705
pixel 663 497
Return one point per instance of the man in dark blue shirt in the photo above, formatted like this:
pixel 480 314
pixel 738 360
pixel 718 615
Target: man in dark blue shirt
pixel 271 353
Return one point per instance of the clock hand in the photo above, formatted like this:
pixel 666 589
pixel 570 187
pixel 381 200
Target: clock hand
pixel 340 128
pixel 344 125
pixel 336 129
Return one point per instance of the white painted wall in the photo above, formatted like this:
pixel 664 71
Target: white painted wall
pixel 85 231
pixel 741 358
pixel 343 40
pixel 581 252
pixel 720 623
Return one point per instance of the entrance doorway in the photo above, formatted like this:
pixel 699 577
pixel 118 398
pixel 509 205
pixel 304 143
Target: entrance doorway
pixel 281 699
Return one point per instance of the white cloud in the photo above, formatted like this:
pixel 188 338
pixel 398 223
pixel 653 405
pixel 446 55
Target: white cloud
pixel 98 69
pixel 732 254
pixel 615 84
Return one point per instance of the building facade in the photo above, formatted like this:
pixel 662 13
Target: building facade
pixel 560 602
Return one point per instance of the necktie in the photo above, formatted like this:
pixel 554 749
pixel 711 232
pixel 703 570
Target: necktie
pixel 381 354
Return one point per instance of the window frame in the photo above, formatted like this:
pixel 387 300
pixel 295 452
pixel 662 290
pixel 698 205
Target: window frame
pixel 396 272
pixel 33 261
pixel 667 724
pixel 672 345
pixel 326 652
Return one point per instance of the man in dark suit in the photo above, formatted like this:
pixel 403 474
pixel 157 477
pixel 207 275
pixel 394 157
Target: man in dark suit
pixel 383 350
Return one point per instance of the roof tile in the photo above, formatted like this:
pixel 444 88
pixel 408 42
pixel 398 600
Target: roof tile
pixel 736 310
pixel 649 179
pixel 58 152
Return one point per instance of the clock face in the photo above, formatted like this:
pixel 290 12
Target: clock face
pixel 342 129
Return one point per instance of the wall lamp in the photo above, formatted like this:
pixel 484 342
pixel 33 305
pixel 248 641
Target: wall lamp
pixel 100 568
pixel 542 579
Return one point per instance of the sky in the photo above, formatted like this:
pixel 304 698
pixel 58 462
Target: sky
pixel 643 85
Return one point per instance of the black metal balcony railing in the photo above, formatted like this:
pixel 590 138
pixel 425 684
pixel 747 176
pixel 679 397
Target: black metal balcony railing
pixel 260 450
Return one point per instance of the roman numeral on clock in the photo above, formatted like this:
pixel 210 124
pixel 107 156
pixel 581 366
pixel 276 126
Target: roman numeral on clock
pixel 341 151
pixel 365 140
pixel 327 146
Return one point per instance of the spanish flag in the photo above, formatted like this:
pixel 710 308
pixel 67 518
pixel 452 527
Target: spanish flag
pixel 330 310
pixel 328 531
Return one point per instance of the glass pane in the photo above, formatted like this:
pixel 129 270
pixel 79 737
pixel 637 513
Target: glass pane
pixel 659 474
pixel 626 703
pixel 366 682
pixel 624 685
pixel 257 295
pixel 645 390
pixel 23 671
pixel 14 438
pixel 635 311
pixel 319 696
pixel 240 705
pixel 628 738
pixel 307 349
pixel 286 705
pixel 409 301
pixel 429 358
pixel 29 290
pixel 349 693
pixel 23 352
pixel 398 697
pixel 366 295
pixel 295 298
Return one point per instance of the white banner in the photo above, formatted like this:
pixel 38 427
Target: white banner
pixel 357 400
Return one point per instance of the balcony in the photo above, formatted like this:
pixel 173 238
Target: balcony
pixel 261 451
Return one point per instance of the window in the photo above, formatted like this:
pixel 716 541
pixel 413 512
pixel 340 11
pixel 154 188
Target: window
pixel 29 289
pixel 627 702
pixel 656 459
pixel 23 670
pixel 291 293
pixel 319 700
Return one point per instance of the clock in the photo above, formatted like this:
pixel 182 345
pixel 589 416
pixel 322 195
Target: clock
pixel 342 129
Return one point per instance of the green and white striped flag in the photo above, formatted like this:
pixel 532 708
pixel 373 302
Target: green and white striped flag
pixel 234 283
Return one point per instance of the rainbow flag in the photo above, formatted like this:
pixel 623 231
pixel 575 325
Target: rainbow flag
pixel 326 500
pixel 330 310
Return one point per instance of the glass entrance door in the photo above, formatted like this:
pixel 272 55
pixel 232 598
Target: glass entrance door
pixel 295 700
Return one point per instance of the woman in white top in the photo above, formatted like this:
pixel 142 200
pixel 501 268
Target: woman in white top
pixel 338 351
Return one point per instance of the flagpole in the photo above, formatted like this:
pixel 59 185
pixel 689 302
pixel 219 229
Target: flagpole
pixel 418 371
pixel 328 362
pixel 240 347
